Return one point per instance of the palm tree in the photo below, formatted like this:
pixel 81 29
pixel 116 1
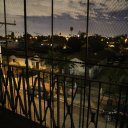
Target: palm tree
pixel 71 29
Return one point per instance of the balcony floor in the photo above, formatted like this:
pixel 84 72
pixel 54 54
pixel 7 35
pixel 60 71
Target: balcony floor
pixel 11 120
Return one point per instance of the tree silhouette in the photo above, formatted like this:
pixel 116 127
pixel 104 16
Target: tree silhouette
pixel 74 43
pixel 71 29
pixel 12 35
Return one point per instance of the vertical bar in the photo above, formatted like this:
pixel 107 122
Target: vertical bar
pixel 25 38
pixel 45 97
pixel 11 90
pixel 0 56
pixel 123 123
pixel 65 96
pixel 89 89
pixel 58 105
pixel 87 27
pixel 49 102
pixel 118 108
pixel 80 113
pixel 24 94
pixel 39 91
pixel 72 125
pixel 86 55
pixel 1 87
pixel 5 82
pixel 52 14
pixel 98 105
pixel 26 57
pixel 51 85
pixel 84 94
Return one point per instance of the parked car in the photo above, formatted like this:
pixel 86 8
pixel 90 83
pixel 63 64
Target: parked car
pixel 114 114
pixel 110 115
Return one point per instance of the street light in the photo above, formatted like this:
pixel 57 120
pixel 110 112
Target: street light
pixel 126 40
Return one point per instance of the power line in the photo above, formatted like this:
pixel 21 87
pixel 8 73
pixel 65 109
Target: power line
pixel 8 23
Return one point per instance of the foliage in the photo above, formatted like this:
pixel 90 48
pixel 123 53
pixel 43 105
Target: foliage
pixel 95 43
pixel 58 60
pixel 28 35
pixel 12 35
pixel 74 43
pixel 82 35
pixel 59 40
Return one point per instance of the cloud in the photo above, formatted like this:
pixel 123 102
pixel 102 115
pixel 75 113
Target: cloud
pixel 104 9
pixel 74 8
pixel 67 13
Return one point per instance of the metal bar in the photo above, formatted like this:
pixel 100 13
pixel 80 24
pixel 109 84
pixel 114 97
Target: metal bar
pixel 40 106
pixel 24 95
pixel 89 107
pixel 65 94
pixel 45 97
pixel 80 110
pixel 1 86
pixel 86 56
pixel 11 91
pixel 87 27
pixel 125 110
pixel 58 103
pixel 51 85
pixel 118 108
pixel 26 59
pixel 98 106
pixel 71 105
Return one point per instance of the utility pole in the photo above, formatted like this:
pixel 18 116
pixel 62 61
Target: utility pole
pixel 5 23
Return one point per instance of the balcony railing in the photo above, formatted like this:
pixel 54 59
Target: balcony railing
pixel 60 100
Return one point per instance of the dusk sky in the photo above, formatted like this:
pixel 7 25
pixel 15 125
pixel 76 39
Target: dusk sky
pixel 107 17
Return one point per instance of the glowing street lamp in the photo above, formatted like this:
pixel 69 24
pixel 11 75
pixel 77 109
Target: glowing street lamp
pixel 126 40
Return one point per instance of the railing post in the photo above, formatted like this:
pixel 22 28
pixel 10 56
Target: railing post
pixel 26 55
pixel 1 93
